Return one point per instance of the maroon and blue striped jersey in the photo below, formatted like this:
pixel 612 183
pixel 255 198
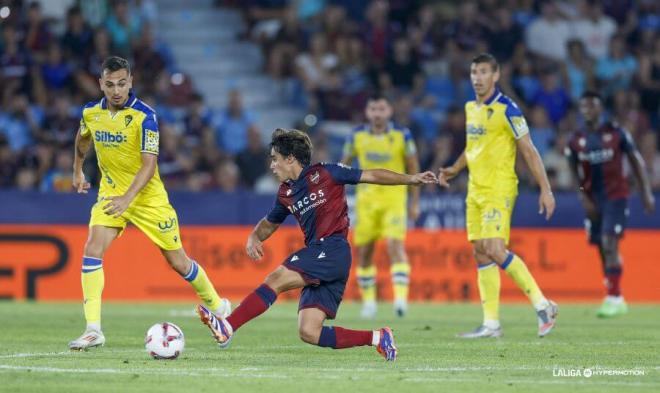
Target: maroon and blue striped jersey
pixel 316 199
pixel 598 156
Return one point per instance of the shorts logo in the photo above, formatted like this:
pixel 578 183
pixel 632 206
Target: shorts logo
pixel 294 258
pixel 167 225
pixel 321 255
pixel 492 216
pixel 315 177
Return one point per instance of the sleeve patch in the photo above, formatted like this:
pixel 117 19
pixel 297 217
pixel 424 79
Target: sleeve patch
pixel 151 140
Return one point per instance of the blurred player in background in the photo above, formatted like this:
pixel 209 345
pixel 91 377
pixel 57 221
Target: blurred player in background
pixel 495 128
pixel 315 196
pixel 125 135
pixel 381 210
pixel 596 155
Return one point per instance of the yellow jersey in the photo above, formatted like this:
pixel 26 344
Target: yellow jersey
pixel 388 150
pixel 492 129
pixel 119 141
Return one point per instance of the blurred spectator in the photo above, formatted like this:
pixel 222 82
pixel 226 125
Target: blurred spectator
pixel 18 123
pixel 556 164
pixel 314 66
pixel 233 124
pixel 594 29
pixel 59 178
pixel 402 70
pixel 649 78
pixel 504 35
pixel 552 96
pixel 547 36
pixel 55 72
pixel 578 70
pixel 226 177
pixel 466 30
pixel 61 123
pixel 616 70
pixel 253 161
pixel 37 35
pixel 648 148
pixel 540 129
pixel 379 32
pixel 78 39
pixel 124 27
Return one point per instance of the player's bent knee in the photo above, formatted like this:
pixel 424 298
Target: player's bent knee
pixel 309 334
pixel 93 249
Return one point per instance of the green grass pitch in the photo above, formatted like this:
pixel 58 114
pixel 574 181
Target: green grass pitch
pixel 266 355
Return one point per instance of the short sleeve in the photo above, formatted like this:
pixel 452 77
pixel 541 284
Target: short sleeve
pixel 409 141
pixel 627 142
pixel 516 121
pixel 349 146
pixel 343 174
pixel 150 135
pixel 278 212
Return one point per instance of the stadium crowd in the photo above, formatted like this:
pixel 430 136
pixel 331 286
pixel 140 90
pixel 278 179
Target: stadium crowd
pixel 329 56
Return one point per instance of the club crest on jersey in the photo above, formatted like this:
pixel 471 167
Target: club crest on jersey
pixel 315 177
pixel 127 120
pixel 607 138
pixel 489 113
pixel 288 192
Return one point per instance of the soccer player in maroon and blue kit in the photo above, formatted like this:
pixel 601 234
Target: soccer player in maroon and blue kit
pixel 315 195
pixel 596 157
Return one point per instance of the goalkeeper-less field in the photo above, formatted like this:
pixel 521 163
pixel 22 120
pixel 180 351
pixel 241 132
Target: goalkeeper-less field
pixel 582 354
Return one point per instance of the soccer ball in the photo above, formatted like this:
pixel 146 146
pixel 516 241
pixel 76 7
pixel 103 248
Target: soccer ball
pixel 164 341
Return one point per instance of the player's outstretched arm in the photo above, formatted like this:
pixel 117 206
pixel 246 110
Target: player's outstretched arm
pixel 389 178
pixel 535 164
pixel 81 147
pixel 448 173
pixel 639 168
pixel 261 232
pixel 119 204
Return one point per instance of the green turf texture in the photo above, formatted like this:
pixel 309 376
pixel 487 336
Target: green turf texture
pixel 267 356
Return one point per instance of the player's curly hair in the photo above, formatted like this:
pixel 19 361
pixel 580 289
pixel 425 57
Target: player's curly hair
pixel 293 143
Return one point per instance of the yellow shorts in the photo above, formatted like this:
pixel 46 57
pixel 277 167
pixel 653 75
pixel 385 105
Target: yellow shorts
pixel 159 223
pixel 489 216
pixel 377 220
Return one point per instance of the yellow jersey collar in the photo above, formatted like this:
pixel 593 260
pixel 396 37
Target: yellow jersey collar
pixel 388 128
pixel 494 97
pixel 132 99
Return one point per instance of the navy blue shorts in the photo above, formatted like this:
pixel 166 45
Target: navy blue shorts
pixel 325 266
pixel 610 220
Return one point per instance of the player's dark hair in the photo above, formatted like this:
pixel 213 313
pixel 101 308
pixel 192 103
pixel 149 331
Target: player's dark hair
pixel 591 94
pixel 486 58
pixel 116 63
pixel 377 96
pixel 293 143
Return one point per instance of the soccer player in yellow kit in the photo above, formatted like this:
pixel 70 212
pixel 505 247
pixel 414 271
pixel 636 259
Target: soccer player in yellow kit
pixel 495 128
pixel 125 135
pixel 381 210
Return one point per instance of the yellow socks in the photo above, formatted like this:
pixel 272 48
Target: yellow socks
pixel 400 272
pixel 488 277
pixel 200 282
pixel 517 270
pixel 366 277
pixel 92 279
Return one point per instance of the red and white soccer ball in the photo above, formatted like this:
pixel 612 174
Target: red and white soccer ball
pixel 164 341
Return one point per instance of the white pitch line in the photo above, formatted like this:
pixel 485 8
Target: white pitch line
pixel 225 374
